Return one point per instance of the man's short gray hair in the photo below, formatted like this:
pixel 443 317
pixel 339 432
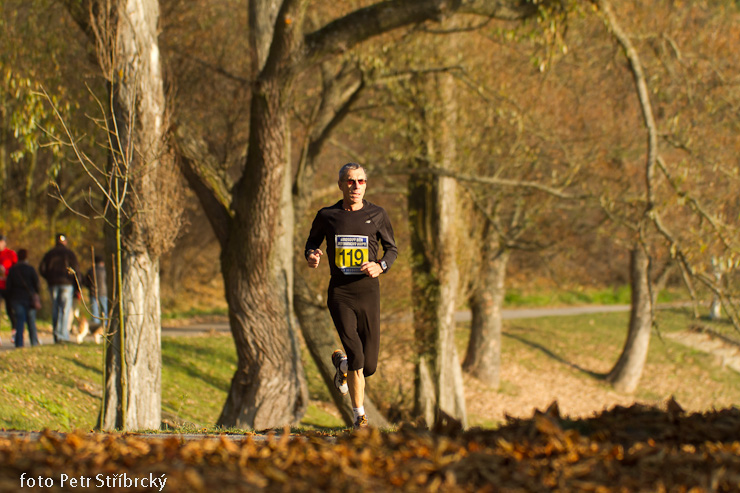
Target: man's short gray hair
pixel 344 170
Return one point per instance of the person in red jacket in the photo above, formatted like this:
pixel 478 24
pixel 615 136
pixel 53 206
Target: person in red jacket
pixel 8 259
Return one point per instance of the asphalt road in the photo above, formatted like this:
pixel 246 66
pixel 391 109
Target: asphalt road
pixel 462 316
pixel 201 328
pixel 517 313
pixel 176 331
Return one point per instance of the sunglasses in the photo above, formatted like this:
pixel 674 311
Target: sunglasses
pixel 361 181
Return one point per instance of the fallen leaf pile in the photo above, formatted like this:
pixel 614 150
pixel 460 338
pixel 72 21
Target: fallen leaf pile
pixel 623 449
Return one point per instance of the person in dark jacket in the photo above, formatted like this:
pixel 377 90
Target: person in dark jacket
pixel 59 267
pixel 95 282
pixel 21 284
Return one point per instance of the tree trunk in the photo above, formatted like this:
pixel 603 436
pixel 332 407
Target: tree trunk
pixel 269 387
pixel 133 379
pixel 433 216
pixel 258 291
pixel 439 384
pixel 139 388
pixel 4 154
pixel 29 205
pixel 483 356
pixel 627 372
pixel 715 307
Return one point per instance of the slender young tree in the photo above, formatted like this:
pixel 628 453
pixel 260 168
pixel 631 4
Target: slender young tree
pixel 124 36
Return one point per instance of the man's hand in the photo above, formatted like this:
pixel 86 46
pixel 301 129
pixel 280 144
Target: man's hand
pixel 372 269
pixel 314 257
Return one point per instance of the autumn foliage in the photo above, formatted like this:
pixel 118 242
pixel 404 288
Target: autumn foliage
pixel 623 449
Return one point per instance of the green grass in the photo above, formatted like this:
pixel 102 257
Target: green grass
pixel 59 387
pixel 316 418
pixel 50 386
pixel 579 296
pixel 196 374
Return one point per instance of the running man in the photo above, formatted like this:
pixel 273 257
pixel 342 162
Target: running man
pixel 354 229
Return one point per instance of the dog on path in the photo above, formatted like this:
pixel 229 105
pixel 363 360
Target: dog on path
pixel 81 328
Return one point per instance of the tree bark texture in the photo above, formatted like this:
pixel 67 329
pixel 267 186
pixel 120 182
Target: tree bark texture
pixel 626 373
pixel 435 282
pixel 268 388
pixel 4 153
pixel 432 216
pixel 483 356
pixel 142 349
pixel 255 231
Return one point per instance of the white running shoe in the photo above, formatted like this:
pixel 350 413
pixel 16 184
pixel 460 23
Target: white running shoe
pixel 340 378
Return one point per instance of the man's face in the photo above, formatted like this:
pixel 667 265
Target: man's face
pixel 353 186
pixel 2 245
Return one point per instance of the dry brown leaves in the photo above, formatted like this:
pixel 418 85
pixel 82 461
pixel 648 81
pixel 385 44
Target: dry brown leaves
pixel 623 449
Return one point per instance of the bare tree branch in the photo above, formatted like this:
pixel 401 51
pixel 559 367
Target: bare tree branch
pixel 342 34
pixel 697 207
pixel 487 180
pixel 644 96
pixel 676 248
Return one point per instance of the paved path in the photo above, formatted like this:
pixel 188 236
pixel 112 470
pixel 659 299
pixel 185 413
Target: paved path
pixel 194 329
pixel 461 316
pixel 222 327
pixel 517 313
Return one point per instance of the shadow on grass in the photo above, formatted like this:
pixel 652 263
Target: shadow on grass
pixel 547 352
pixel 84 366
pixel 206 353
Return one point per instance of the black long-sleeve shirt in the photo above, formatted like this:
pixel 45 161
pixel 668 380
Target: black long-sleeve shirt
pixel 353 237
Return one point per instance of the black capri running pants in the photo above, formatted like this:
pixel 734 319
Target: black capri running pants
pixel 355 309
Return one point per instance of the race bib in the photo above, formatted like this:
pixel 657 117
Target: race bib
pixel 350 253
